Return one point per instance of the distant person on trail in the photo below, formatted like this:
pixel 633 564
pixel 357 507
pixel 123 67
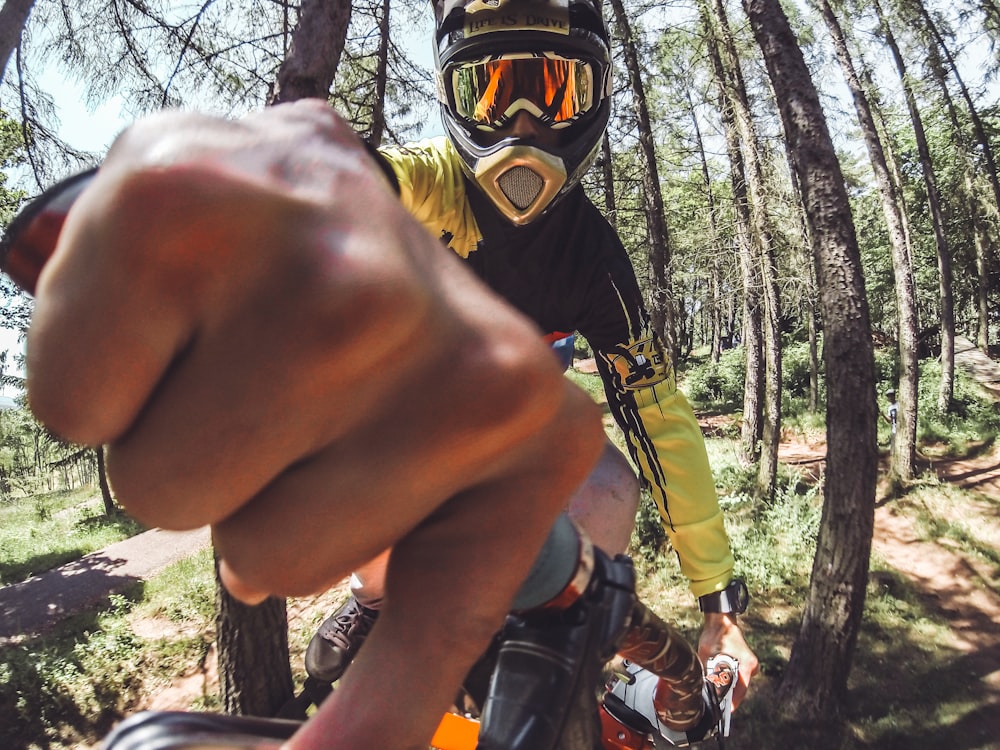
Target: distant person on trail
pixel 525 103
pixel 892 413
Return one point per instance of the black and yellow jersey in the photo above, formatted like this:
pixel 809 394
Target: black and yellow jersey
pixel 568 271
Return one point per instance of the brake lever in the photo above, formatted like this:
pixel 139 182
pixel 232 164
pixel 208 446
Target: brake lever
pixel 721 672
pixel 32 235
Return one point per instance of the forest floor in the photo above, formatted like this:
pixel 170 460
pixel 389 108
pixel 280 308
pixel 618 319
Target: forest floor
pixel 944 575
pixel 949 580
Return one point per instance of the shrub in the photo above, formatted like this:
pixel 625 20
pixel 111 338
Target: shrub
pixel 717 383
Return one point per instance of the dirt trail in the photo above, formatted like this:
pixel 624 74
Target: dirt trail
pixel 40 601
pixel 950 581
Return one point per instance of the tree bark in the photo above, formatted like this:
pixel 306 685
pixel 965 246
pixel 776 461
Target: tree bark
pixel 947 311
pixel 815 682
pixel 751 430
pixel 102 480
pixel 253 654
pixel 317 44
pixel 381 76
pixel 985 147
pixel 608 179
pixel 715 279
pixel 763 258
pixel 13 17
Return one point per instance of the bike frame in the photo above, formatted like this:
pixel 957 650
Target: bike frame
pixel 456 732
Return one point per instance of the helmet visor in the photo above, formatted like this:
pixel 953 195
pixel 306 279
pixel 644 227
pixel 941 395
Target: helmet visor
pixel 488 93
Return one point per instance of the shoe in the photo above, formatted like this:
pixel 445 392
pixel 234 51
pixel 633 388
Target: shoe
pixel 338 641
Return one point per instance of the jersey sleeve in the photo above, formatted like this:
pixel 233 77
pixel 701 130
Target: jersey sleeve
pixel 665 441
pixel 660 428
pixel 432 188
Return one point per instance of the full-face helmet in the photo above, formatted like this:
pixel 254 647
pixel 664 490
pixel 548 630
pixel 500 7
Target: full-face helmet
pixel 497 58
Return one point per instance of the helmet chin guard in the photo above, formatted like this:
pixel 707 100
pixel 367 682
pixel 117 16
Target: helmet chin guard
pixel 521 181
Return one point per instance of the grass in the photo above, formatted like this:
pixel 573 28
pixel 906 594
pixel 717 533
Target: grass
pixel 68 687
pixel 44 531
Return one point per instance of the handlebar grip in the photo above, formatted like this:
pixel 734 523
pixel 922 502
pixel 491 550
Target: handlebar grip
pixel 656 645
pixel 32 236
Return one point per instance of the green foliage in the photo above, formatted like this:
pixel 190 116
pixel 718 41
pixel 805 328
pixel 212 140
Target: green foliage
pixel 648 536
pixel 45 531
pixel 796 368
pixel 717 383
pixel 886 369
pixel 591 383
pixel 68 688
pixel 33 460
pixel 973 421
pixel 11 154
pixel 774 544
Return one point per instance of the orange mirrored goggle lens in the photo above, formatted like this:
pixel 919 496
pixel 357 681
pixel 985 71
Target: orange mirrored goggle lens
pixel 489 92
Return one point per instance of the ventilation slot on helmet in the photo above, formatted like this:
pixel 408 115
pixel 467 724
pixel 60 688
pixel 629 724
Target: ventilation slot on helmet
pixel 521 186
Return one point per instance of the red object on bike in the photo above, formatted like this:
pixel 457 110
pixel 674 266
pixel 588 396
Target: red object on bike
pixel 32 236
pixel 617 736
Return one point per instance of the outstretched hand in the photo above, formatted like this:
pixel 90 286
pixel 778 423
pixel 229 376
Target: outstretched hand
pixel 269 344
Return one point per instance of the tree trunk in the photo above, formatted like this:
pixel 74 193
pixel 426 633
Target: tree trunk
pixel 983 292
pixel 815 682
pixel 253 654
pixel 102 480
pixel 254 669
pixel 381 75
pixel 904 444
pixel 608 178
pixel 813 359
pixel 985 147
pixel 751 430
pixel 947 311
pixel 317 44
pixel 662 308
pixel 715 280
pixel 810 298
pixel 13 17
pixel 766 272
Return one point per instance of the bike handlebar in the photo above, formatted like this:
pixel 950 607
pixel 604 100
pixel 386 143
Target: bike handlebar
pixel 32 235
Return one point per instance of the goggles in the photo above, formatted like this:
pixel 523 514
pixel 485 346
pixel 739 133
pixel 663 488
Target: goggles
pixel 489 92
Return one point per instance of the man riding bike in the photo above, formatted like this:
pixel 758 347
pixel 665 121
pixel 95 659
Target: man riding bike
pixel 524 88
pixel 267 342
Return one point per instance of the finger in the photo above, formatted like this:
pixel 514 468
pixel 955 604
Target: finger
pixel 220 349
pixel 470 556
pixel 179 208
pixel 378 486
pixel 741 687
pixel 748 668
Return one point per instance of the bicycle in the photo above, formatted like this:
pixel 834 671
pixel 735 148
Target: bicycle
pixel 528 662
pixel 613 720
